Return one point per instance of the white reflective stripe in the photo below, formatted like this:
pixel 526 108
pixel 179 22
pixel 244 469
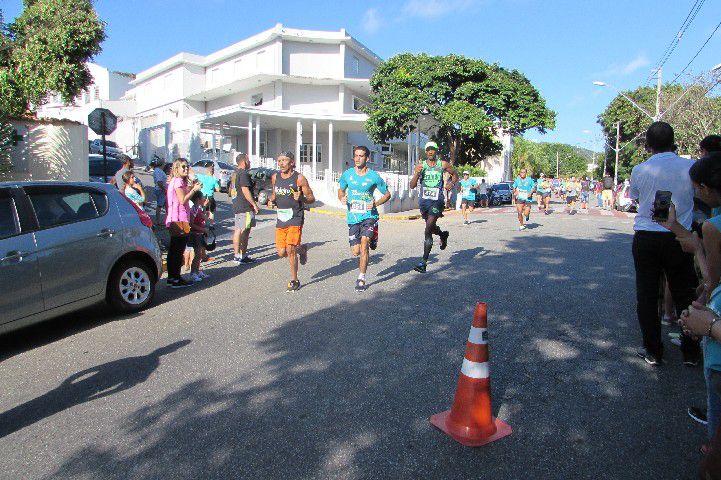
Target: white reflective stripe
pixel 479 336
pixel 474 369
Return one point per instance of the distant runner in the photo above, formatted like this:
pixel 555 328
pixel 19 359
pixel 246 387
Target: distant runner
pixel 430 174
pixel 572 188
pixel 468 195
pixel 543 188
pixel 523 188
pixel 290 191
pixel 356 192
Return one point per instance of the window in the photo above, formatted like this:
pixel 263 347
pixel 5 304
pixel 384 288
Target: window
pixel 358 104
pixel 256 100
pixel 387 148
pixel 96 93
pixel 306 153
pixel 9 224
pixel 355 65
pixel 55 207
pixel 261 149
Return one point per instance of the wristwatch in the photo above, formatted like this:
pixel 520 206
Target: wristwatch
pixel 710 326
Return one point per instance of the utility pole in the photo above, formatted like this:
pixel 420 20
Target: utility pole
pixel 556 163
pixel 615 172
pixel 659 74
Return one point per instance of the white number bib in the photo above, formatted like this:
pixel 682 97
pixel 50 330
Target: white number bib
pixel 522 195
pixel 358 206
pixel 285 214
pixel 430 193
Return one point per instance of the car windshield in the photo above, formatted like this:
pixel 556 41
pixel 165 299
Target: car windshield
pixel 96 167
pixel 225 166
pixel 502 186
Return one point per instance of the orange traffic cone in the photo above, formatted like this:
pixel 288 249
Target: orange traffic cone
pixel 470 420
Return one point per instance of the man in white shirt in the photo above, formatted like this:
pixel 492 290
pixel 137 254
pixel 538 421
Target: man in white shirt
pixel 483 193
pixel 655 249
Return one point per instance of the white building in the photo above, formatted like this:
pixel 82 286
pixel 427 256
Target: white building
pixel 106 90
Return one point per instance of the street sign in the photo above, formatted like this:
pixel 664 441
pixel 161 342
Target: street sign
pixel 102 121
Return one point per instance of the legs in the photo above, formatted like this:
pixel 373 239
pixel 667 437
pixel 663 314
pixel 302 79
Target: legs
pixel 240 241
pixel 361 250
pixel 431 229
pixel 519 211
pixel 713 389
pixel 647 262
pixel 175 256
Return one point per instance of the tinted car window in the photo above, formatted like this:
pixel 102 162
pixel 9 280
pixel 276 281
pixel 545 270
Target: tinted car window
pixel 58 208
pixel 225 166
pixel 101 203
pixel 96 167
pixel 8 218
pixel 502 186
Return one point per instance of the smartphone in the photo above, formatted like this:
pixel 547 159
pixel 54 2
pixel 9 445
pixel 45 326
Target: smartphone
pixel 661 205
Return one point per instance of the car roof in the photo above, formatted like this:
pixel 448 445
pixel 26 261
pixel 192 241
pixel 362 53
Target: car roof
pixel 20 184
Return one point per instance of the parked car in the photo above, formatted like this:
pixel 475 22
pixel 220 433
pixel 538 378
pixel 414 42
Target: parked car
pixel 500 193
pixel 96 165
pixel 623 201
pixel 67 245
pixel 111 148
pixel 262 183
pixel 222 171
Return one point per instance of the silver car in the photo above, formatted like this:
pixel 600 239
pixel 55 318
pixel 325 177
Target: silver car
pixel 222 171
pixel 68 245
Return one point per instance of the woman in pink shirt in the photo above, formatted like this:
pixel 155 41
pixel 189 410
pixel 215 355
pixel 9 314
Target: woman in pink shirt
pixel 178 218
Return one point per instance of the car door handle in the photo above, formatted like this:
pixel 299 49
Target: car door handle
pixel 106 233
pixel 14 255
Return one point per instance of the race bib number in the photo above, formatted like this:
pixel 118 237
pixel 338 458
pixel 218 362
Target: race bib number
pixel 285 214
pixel 358 206
pixel 466 192
pixel 522 195
pixel 430 193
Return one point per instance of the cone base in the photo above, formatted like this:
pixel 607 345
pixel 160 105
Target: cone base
pixel 502 430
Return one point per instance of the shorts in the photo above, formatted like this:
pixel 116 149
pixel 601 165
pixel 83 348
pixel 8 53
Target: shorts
pixel 285 236
pixel 244 221
pixel 468 203
pixel 546 195
pixel 584 197
pixel 431 208
pixel 483 196
pixel 570 199
pixel 529 200
pixel 607 195
pixel 366 228
pixel 160 197
pixel 211 204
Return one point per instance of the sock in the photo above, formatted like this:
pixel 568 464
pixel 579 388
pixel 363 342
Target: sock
pixel 362 276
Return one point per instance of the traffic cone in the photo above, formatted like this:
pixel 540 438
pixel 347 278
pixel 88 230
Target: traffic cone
pixel 470 421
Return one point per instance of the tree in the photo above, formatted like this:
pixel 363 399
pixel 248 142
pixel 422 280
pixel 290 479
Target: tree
pixel 467 100
pixel 44 50
pixel 541 158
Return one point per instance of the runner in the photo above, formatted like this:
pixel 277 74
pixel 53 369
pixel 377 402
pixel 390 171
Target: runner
pixel 572 188
pixel 607 192
pixel 483 193
pixel 585 192
pixel 523 188
pixel 468 196
pixel 543 188
pixel 356 192
pixel 290 192
pixel 430 174
pixel 539 191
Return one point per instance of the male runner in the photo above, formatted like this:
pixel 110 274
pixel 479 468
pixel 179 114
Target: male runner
pixel 585 192
pixel 523 187
pixel 468 195
pixel 430 174
pixel 539 191
pixel 356 192
pixel 290 191
pixel 483 193
pixel 572 195
pixel 543 188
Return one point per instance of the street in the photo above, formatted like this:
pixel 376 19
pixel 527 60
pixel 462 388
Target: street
pixel 235 378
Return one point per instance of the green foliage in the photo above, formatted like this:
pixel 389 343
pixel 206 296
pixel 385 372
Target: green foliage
pixel 44 50
pixel 541 158
pixel 467 100
pixel 474 170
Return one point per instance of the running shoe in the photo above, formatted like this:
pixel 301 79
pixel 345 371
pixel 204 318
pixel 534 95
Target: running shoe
pixel 649 358
pixel 698 415
pixel 373 244
pixel 237 260
pixel 521 228
pixel 360 285
pixel 528 218
pixel 465 222
pixel 303 254
pixel 179 283
pixel 246 260
pixel 421 267
pixel 676 341
pixel 444 239
pixel 203 274
pixel 293 286
pixel 546 212
pixel 196 277
pixel 691 360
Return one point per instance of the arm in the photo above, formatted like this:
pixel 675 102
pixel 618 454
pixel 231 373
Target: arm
pixel 386 196
pixel 413 183
pixel 712 248
pixel 342 196
pixel 183 196
pixel 449 168
pixel 249 197
pixel 305 190
pixel 139 189
pixel 271 200
pixel 700 322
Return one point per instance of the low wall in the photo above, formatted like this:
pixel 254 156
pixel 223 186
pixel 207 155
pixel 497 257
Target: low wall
pixel 48 149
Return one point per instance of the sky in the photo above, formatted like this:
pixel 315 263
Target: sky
pixel 562 46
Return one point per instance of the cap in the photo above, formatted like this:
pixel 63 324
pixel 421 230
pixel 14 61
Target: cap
pixel 432 145
pixel 466 172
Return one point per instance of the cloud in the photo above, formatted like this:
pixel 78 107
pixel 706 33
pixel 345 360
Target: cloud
pixel 436 8
pixel 637 63
pixel 371 20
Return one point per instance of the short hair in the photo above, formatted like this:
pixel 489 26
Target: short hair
pixel 125 159
pixel 707 171
pixel 287 154
pixel 659 137
pixel 711 143
pixel 240 157
pixel 126 176
pixel 365 149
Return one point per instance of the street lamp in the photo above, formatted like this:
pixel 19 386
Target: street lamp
pixel 652 117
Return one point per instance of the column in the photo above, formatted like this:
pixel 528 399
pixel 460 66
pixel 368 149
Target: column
pixel 257 139
pixel 250 138
pixel 330 148
pixel 408 143
pixel 314 155
pixel 298 141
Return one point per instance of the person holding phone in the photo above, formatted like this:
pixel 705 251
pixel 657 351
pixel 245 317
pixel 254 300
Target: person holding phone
pixel 655 249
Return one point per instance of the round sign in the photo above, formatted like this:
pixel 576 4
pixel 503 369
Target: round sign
pixel 102 121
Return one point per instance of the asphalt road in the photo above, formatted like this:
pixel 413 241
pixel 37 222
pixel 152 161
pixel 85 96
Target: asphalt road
pixel 235 378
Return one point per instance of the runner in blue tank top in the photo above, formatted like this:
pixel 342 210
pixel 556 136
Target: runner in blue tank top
pixel 430 174
pixel 357 186
pixel 523 188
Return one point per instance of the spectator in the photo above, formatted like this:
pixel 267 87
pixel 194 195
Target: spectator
pixel 598 190
pixel 178 219
pixel 133 190
pixel 711 143
pixel 655 250
pixel 607 192
pixel 585 192
pixel 210 186
pixel 127 167
pixel 195 238
pixel 160 179
pixel 244 208
pixel 483 193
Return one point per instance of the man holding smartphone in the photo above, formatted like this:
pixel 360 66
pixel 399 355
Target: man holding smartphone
pixel 654 183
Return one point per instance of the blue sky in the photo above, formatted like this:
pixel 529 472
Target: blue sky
pixel 562 46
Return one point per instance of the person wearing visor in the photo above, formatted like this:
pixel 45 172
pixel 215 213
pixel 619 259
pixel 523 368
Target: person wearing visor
pixel 523 188
pixel 468 195
pixel 430 175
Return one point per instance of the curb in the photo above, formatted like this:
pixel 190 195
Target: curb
pixel 382 217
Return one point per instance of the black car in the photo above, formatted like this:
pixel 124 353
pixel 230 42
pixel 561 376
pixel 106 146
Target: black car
pixel 262 183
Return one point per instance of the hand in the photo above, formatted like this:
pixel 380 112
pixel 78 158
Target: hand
pixel 197 186
pixel 344 199
pixel 690 243
pixel 418 169
pixel 695 322
pixel 255 209
pixel 672 218
pixel 297 194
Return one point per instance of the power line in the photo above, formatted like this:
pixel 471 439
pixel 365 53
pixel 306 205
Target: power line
pixel 697 53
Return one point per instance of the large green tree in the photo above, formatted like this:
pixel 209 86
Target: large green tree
pixel 466 100
pixel 541 158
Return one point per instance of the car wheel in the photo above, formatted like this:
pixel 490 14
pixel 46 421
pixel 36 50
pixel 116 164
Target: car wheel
pixel 131 286
pixel 263 197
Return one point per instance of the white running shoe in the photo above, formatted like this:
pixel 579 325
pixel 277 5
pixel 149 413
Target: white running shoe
pixel 522 227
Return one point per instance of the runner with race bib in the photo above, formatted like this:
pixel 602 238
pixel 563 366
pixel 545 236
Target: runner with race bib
pixel 357 186
pixel 290 191
pixel 523 188
pixel 430 175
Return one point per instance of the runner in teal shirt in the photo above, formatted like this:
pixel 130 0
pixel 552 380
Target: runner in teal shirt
pixel 523 188
pixel 468 195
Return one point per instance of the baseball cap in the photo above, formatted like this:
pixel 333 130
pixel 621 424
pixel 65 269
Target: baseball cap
pixel 433 145
pixel 466 172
